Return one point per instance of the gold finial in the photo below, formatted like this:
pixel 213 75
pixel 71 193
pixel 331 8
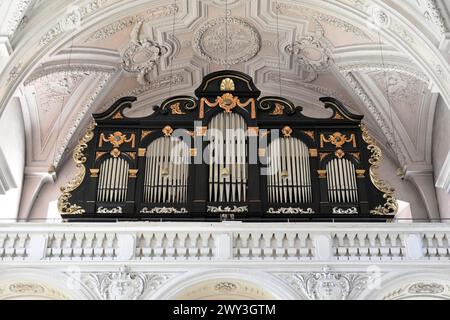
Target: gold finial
pixel 167 131
pixel 227 85
pixel 287 131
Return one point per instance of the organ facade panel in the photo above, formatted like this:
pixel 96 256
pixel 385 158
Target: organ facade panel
pixel 227 154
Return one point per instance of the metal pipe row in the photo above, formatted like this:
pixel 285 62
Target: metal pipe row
pixel 113 180
pixel 341 178
pixel 289 178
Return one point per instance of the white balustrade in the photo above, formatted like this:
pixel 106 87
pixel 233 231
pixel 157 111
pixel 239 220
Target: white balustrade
pixel 186 242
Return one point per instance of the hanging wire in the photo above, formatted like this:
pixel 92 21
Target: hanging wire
pixel 279 46
pixel 173 41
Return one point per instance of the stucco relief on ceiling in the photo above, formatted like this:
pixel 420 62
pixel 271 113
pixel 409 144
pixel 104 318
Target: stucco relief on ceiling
pixel 227 41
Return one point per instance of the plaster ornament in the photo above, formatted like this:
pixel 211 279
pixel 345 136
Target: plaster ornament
pixel 124 284
pixel 141 55
pixel 328 285
pixel 212 39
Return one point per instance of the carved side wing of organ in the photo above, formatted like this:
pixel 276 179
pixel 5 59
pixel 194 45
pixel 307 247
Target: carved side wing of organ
pixel 227 154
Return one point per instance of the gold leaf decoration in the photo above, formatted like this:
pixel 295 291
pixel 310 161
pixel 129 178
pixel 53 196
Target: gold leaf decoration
pixel 391 205
pixel 64 206
pixel 227 85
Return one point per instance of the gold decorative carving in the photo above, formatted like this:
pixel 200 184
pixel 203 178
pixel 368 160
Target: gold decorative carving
pixel 356 155
pixel 201 131
pixel 287 132
pixel 142 152
pixel 310 134
pixel 98 155
pixel 313 153
pixel 339 154
pixel 337 139
pixel 176 109
pixel 338 116
pixel 118 116
pixel 227 85
pixel 94 173
pixel 168 131
pixel 64 206
pixel 361 173
pixel 323 156
pixel 279 110
pixel 194 152
pixel 262 152
pixel 391 205
pixel 253 131
pixel 132 155
pixel 145 133
pixel 227 102
pixel 322 174
pixel 133 173
pixel 115 153
pixel 117 139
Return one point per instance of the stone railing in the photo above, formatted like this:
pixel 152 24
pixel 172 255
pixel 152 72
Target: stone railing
pixel 190 242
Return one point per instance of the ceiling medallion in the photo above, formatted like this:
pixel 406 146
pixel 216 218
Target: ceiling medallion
pixel 244 41
pixel 141 55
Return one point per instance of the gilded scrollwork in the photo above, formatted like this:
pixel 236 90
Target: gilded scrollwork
pixel 64 206
pixel 391 205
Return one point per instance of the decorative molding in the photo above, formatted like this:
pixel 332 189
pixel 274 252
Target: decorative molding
pixel 371 67
pixel 149 16
pixel 141 55
pixel 164 210
pixel 327 285
pixel 209 41
pixel 290 210
pixel 418 290
pixel 230 209
pixel 337 210
pixel 124 284
pixel 433 14
pixel 110 211
pixel 391 205
pixel 387 131
pixel 73 19
pixel 104 78
pixel 80 159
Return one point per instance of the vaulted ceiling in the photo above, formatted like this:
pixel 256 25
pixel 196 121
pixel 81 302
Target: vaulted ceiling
pixel 69 59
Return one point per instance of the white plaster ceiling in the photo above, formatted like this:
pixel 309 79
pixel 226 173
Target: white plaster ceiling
pixel 98 51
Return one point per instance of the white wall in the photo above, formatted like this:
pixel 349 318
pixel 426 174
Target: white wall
pixel 441 148
pixel 12 143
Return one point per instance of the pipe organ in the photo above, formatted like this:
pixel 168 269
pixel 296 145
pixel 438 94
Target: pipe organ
pixel 227 154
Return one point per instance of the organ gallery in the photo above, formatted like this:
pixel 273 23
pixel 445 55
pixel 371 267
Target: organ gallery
pixel 227 154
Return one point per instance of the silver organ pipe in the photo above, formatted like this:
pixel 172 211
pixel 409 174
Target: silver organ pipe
pixel 228 171
pixel 341 179
pixel 289 178
pixel 113 180
pixel 166 174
